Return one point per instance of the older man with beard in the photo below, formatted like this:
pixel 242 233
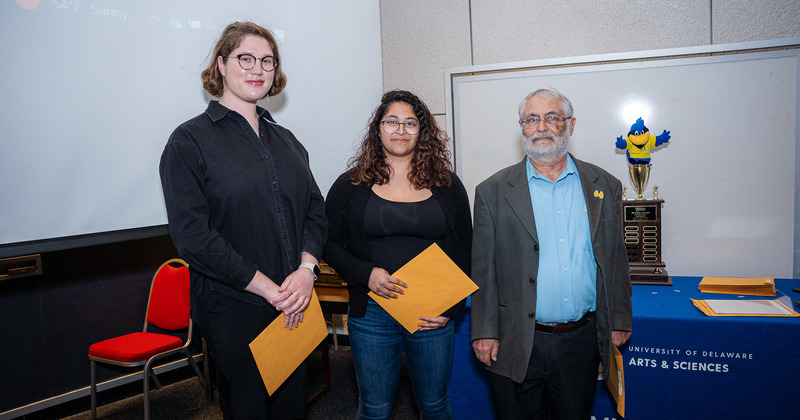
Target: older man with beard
pixel 549 257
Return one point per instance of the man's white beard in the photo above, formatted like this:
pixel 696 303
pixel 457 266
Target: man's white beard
pixel 546 152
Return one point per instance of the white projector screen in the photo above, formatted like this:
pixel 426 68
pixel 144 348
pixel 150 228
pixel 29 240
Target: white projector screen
pixel 93 89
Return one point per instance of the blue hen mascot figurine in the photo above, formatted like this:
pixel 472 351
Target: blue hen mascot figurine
pixel 639 143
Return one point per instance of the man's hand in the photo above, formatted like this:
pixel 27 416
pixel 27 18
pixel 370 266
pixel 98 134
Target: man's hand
pixel 486 350
pixel 619 338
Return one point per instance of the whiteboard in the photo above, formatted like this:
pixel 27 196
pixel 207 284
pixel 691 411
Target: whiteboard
pixel 728 175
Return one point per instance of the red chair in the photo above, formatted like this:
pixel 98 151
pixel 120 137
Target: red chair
pixel 167 309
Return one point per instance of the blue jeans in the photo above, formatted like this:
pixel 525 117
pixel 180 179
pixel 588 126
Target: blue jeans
pixel 378 342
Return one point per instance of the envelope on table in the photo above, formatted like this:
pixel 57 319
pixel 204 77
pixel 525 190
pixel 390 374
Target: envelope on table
pixel 758 286
pixel 435 284
pixel 278 351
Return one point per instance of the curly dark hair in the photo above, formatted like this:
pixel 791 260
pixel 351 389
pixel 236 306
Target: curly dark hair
pixel 430 165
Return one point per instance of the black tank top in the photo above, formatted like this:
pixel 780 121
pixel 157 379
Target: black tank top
pixel 398 231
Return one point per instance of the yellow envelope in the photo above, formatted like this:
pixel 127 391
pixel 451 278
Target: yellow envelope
pixel 616 380
pixel 278 351
pixel 757 286
pixel 435 284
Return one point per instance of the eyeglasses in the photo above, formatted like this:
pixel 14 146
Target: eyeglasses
pixel 550 120
pixel 248 61
pixel 392 126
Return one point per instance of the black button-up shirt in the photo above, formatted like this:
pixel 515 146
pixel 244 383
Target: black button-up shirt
pixel 237 202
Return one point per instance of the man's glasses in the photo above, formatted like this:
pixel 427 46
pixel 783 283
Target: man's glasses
pixel 551 120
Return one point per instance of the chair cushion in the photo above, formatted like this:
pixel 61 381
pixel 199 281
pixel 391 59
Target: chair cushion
pixel 134 347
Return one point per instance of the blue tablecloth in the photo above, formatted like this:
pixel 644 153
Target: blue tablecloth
pixel 679 363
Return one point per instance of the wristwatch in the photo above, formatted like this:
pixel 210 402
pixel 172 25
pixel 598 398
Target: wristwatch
pixel 313 267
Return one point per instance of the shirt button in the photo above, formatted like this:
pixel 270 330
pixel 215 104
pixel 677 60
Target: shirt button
pixel 274 182
pixel 565 268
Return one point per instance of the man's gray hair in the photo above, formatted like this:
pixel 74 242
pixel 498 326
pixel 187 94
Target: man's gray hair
pixel 566 105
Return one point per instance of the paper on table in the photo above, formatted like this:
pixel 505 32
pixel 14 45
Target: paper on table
pixel 435 284
pixel 754 307
pixel 616 380
pixel 781 306
pixel 278 351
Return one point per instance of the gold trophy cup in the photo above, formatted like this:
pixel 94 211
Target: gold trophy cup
pixel 640 174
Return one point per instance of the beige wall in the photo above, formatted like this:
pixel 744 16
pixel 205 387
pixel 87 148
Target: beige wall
pixel 422 38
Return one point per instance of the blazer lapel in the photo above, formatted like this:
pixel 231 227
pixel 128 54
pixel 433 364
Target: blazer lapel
pixel 519 198
pixel 592 193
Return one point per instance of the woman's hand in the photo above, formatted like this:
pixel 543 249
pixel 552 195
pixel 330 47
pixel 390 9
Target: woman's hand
pixel 384 285
pixel 432 323
pixel 291 321
pixel 263 286
pixel 294 296
pixel 290 301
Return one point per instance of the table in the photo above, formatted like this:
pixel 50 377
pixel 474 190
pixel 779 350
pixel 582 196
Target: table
pixel 679 363
pixel 335 294
pixel 333 300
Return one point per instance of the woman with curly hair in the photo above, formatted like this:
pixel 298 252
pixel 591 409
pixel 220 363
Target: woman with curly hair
pixel 399 196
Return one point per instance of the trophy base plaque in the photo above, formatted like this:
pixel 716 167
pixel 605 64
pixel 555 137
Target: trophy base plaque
pixel 643 242
pixel 649 275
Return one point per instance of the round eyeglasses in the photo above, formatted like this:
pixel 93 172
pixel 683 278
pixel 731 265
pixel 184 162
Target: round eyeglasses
pixel 392 126
pixel 248 61
pixel 551 120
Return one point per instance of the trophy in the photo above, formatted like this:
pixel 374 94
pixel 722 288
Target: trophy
pixel 642 217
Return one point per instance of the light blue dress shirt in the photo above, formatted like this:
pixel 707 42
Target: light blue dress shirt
pixel 566 281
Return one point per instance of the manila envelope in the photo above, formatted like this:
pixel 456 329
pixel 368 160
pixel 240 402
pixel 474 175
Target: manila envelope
pixel 435 284
pixel 616 380
pixel 278 351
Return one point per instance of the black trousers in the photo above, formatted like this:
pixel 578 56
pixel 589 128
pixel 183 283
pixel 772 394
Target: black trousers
pixel 560 382
pixel 228 326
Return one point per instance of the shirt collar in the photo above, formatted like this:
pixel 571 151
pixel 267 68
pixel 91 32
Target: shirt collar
pixel 218 112
pixel 568 170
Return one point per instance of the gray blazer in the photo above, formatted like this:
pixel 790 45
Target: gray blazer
pixel 505 261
